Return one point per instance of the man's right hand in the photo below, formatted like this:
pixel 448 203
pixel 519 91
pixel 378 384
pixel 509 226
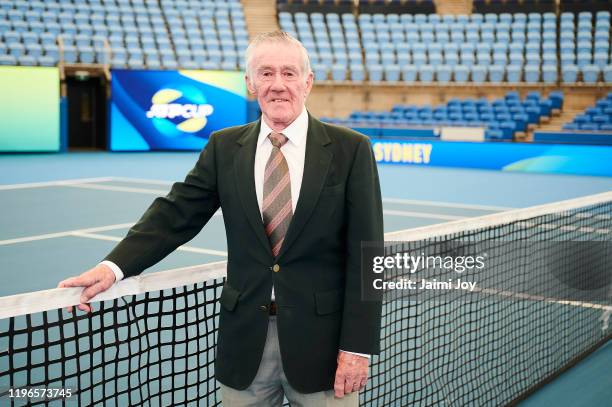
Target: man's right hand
pixel 95 281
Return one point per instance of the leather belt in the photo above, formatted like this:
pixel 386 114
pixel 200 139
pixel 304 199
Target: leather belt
pixel 272 308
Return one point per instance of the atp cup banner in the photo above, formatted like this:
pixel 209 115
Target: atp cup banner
pixel 173 110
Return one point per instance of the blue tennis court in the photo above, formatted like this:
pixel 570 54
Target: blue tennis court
pixel 62 213
pixel 70 210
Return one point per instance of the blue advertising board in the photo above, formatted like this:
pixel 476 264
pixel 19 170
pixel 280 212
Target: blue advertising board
pixel 519 157
pixel 173 110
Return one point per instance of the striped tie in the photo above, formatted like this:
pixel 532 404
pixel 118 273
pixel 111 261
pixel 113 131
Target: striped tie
pixel 276 208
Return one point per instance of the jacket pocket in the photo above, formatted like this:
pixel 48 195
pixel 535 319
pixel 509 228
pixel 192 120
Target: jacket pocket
pixel 327 302
pixel 229 297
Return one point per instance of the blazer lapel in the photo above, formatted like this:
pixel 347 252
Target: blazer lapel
pixel 244 165
pixel 316 166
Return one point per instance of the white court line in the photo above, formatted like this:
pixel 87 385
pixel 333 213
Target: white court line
pixel 388 200
pixel 120 189
pixel 181 248
pixel 54 183
pixel 412 214
pixel 425 215
pixel 64 234
pixel 75 232
pixel 143 181
pixel 87 183
pixel 447 204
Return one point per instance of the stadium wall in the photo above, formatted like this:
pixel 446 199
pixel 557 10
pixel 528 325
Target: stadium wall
pixel 339 100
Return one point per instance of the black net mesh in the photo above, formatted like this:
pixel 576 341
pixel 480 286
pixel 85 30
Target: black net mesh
pixel 158 348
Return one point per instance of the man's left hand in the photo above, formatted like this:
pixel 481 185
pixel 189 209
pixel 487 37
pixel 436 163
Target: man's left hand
pixel 351 374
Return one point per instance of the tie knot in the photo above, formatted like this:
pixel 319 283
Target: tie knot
pixel 277 139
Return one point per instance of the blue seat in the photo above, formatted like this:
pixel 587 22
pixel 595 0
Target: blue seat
pixel 508 128
pixel 532 73
pixel 443 73
pixel 339 72
pixel 34 50
pixel 600 59
pixel 497 73
pixel 467 58
pixel 426 73
pixel 357 73
pixel 392 72
pixel 500 58
pixel 589 127
pixel 46 61
pixel 514 73
pixel 568 58
pixel 461 73
pixel 409 73
pixel 569 73
pixel 451 57
pixel 607 74
pixel 419 58
pixel 16 49
pixel 590 74
pixel 435 58
pixel 533 112
pixel 29 38
pixel 8 60
pixel 479 73
pixel 483 58
pixel 549 74
pixel 571 126
pixel 375 72
pixel 26 60
pixel 494 134
pixel 584 59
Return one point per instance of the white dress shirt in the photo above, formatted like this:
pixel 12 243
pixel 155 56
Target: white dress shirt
pixel 294 151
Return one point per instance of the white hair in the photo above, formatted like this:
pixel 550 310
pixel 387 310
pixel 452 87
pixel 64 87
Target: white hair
pixel 275 37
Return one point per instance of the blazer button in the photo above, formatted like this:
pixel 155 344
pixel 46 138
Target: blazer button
pixel 276 268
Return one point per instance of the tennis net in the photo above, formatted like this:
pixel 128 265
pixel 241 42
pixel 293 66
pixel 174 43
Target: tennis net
pixel 151 339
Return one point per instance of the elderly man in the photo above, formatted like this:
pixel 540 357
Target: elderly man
pixel 298 198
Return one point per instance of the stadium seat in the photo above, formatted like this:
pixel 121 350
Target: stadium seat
pixel 339 72
pixel 514 73
pixel 443 73
pixel 569 73
pixel 532 73
pixel 409 73
pixel 461 73
pixel 426 73
pixel 375 72
pixel 549 74
pixel 607 74
pixel 357 73
pixel 497 73
pixel 590 74
pixel 392 72
pixel 479 74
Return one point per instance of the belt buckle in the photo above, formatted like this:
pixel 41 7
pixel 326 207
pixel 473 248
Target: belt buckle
pixel 272 309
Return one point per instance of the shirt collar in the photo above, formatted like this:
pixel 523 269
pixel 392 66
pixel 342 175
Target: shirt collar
pixel 295 132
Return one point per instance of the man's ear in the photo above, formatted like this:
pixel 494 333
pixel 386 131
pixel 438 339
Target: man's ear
pixel 309 82
pixel 249 85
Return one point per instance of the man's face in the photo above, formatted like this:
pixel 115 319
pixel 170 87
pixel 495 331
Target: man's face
pixel 278 83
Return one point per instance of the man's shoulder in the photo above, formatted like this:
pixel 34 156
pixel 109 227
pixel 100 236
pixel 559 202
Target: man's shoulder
pixel 234 133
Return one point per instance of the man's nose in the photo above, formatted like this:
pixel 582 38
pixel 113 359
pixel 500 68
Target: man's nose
pixel 278 82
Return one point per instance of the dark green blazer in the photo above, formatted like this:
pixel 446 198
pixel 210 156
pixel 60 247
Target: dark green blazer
pixel 316 276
